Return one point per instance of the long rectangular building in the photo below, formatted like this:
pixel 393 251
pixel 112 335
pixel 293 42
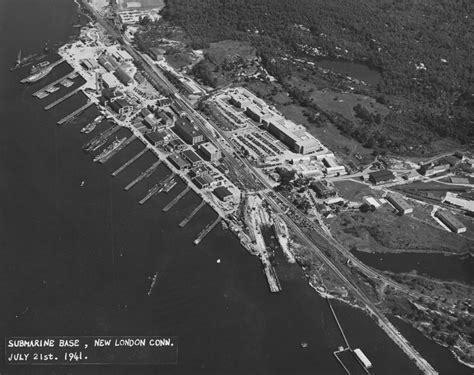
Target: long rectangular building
pixel 450 221
pixel 294 136
pixel 400 204
pixel 187 131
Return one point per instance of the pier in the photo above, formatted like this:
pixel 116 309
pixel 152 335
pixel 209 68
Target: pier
pixel 207 230
pixel 61 99
pixel 272 278
pixel 191 215
pixel 101 138
pixel 156 188
pixel 121 147
pixel 338 324
pixel 142 175
pixel 75 113
pixel 176 199
pixel 69 75
pixel 120 169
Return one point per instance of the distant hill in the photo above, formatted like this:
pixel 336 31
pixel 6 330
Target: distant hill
pixel 423 48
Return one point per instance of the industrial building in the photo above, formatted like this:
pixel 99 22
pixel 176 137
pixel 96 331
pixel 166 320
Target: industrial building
pixel 123 76
pixel 294 136
pixel 109 80
pixel 192 158
pixel 430 170
pixel 381 177
pixel 122 56
pixel 178 161
pixel 223 194
pixel 400 204
pixel 450 221
pixel 108 62
pixel 121 106
pixel 203 181
pixel 156 53
pixel 159 138
pixel 189 133
pixel 323 189
pixel 209 151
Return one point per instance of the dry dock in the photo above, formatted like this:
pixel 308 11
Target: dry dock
pixel 190 216
pixel 207 230
pixel 176 199
pixel 75 113
pixel 143 175
pixel 120 169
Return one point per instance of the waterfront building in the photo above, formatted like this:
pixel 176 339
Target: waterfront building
pixel 223 194
pixel 192 157
pixel 178 161
pixel 121 106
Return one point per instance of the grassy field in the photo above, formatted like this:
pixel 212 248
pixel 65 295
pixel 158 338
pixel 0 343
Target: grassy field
pixel 219 52
pixel 383 231
pixel 355 191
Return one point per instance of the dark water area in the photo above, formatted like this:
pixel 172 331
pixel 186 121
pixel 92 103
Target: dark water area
pixel 439 266
pixel 78 260
pixel 357 70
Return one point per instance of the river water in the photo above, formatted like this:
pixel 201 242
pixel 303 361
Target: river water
pixel 77 260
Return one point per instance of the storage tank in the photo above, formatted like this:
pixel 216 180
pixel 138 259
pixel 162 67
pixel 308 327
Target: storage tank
pixel 365 361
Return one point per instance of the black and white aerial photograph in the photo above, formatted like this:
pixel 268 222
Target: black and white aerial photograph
pixel 236 187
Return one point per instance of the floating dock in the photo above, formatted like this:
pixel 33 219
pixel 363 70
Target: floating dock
pixel 116 172
pixel 101 138
pixel 272 278
pixel 105 159
pixel 207 230
pixel 75 113
pixel 69 75
pixel 176 199
pixel 143 175
pixel 61 99
pixel 191 215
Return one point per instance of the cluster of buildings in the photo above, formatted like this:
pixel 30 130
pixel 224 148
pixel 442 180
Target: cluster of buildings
pixel 294 136
pixel 132 12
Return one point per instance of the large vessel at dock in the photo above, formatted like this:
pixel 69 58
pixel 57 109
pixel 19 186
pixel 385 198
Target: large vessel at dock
pixel 91 126
pixel 109 149
pixel 36 68
pixel 43 72
pixel 169 185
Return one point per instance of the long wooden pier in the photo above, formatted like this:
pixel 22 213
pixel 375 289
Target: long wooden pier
pixel 63 98
pixel 207 230
pixel 75 113
pixel 156 188
pixel 89 146
pixel 120 169
pixel 338 324
pixel 272 278
pixel 143 175
pixel 130 139
pixel 176 199
pixel 191 215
